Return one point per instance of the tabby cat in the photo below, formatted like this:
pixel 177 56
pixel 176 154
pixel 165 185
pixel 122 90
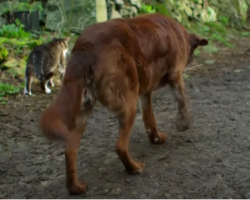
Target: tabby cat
pixel 43 62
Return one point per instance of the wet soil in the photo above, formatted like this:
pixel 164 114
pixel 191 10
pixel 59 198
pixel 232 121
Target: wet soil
pixel 210 160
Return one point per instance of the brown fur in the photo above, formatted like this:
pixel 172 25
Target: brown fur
pixel 116 63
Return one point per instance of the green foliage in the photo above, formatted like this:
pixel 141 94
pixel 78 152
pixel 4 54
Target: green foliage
pixel 15 46
pixel 161 8
pixel 210 49
pixel 216 21
pixel 7 89
pixel 147 9
pixel 22 6
pixel 19 47
pixel 3 53
pixel 13 38
pixel 246 34
pixel 215 31
pixel 224 20
pixel 197 52
pixel 14 30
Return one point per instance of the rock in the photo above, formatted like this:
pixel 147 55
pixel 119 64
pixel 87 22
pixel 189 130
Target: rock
pixel 126 8
pixel 167 195
pixel 128 181
pixel 136 3
pixel 237 71
pixel 209 62
pixel 129 11
pixel 119 2
pixel 116 191
pixel 115 15
pixel 72 15
pixel 218 159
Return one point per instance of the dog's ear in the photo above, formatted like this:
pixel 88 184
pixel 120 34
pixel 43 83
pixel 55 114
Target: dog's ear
pixel 203 42
pixel 195 40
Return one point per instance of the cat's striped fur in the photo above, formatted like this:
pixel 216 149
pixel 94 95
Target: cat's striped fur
pixel 43 61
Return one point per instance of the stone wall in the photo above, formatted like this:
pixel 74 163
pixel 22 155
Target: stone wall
pixel 78 14
pixel 72 15
pixel 123 8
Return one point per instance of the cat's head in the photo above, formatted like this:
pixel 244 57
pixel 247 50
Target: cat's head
pixel 63 44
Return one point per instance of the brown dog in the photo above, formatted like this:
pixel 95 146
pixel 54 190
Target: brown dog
pixel 116 62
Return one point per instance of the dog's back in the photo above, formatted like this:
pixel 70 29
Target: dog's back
pixel 116 63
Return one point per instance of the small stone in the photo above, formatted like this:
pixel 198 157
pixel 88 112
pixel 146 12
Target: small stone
pixel 237 71
pixel 215 101
pixel 44 183
pixel 218 159
pixel 232 118
pixel 116 191
pixel 167 195
pixel 209 62
pixel 127 181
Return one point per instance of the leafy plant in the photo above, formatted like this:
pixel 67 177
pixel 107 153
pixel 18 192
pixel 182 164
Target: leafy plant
pixel 147 9
pixel 245 34
pixel 22 6
pixel 197 52
pixel 14 30
pixel 7 89
pixel 3 53
pixel 224 20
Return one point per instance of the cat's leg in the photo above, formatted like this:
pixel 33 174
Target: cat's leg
pixel 51 82
pixel 47 89
pixel 27 86
pixel 44 86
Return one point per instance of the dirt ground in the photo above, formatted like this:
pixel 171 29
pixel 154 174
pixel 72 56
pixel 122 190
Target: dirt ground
pixel 211 160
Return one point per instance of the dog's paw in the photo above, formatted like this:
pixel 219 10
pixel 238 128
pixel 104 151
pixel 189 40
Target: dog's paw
pixel 160 138
pixel 135 168
pixel 77 188
pixel 184 122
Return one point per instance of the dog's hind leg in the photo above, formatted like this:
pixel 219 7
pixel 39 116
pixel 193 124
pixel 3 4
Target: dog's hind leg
pixel 74 186
pixel 118 92
pixel 126 121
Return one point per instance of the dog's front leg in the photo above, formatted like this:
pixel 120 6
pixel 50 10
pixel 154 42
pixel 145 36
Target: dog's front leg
pixel 184 119
pixel 149 120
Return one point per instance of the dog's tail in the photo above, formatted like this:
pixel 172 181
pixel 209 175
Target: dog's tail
pixel 58 121
pixel 55 130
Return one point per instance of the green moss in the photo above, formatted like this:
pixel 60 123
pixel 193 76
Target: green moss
pixel 3 53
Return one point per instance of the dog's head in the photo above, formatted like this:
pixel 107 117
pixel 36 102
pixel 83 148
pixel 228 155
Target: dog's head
pixel 194 42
